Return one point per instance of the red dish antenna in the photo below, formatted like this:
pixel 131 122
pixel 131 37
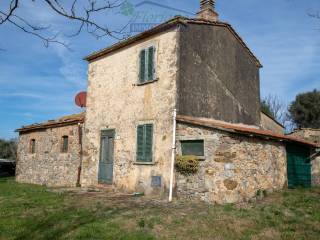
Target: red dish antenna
pixel 81 99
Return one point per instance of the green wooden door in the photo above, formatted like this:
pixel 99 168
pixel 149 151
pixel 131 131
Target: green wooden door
pixel 106 157
pixel 298 166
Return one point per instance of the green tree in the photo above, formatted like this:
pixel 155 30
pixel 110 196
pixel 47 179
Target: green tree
pixel 305 110
pixel 8 149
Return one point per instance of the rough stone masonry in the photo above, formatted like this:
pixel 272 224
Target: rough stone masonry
pixel 236 168
pixel 48 165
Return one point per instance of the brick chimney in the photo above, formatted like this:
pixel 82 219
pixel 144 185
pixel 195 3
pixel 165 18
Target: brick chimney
pixel 207 11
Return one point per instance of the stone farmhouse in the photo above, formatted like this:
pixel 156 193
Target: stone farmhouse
pixel 187 87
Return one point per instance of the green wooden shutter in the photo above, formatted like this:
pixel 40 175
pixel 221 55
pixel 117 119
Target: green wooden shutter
pixel 140 143
pixel 151 68
pixel 142 74
pixel 144 143
pixel 148 142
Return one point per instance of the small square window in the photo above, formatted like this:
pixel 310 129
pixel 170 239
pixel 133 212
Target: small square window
pixel 192 147
pixel 65 144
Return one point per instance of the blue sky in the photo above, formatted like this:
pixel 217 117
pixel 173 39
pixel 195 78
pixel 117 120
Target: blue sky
pixel 38 83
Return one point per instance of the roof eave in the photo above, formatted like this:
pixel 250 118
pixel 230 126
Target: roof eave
pixel 167 25
pixel 161 27
pixel 47 126
pixel 248 132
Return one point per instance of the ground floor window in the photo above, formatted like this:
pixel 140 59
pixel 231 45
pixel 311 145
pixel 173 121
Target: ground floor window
pixel 192 147
pixel 144 142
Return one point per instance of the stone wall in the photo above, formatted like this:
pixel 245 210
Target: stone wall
pixel 270 124
pixel 116 101
pixel 48 166
pixel 315 170
pixel 235 168
pixel 312 135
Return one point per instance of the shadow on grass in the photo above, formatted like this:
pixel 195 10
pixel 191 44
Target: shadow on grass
pixel 81 223
pixel 57 224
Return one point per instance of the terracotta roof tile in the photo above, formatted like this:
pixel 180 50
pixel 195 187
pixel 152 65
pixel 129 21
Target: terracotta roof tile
pixel 66 120
pixel 241 129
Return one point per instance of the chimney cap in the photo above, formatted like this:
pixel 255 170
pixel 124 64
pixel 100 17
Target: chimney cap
pixel 207 10
pixel 207 4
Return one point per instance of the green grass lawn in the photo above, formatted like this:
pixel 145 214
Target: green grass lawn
pixel 33 212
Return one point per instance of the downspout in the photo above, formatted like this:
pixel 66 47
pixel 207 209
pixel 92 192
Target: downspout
pixel 80 154
pixel 173 153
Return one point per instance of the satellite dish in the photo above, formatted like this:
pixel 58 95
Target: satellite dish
pixel 81 99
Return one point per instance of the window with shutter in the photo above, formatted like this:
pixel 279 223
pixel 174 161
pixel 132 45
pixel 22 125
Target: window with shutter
pixel 147 65
pixel 144 143
pixel 142 66
pixel 150 63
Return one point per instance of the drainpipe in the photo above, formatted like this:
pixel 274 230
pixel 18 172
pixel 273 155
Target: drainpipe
pixel 173 153
pixel 80 154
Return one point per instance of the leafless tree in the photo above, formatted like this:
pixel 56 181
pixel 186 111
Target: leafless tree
pixel 82 12
pixel 276 108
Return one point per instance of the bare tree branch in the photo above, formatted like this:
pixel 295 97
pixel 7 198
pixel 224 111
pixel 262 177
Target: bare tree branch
pixel 277 108
pixel 31 29
pixel 92 27
pixel 13 6
pixel 83 12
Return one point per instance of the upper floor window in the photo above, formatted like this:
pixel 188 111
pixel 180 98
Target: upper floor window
pixel 147 71
pixel 144 143
pixel 32 146
pixel 65 144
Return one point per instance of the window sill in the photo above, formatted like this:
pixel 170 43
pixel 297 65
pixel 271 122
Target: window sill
pixel 146 83
pixel 144 163
pixel 200 158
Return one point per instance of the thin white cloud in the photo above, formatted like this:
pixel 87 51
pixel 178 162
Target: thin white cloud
pixel 23 95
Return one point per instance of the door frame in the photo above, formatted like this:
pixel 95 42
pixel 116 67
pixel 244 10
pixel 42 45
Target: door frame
pixel 106 133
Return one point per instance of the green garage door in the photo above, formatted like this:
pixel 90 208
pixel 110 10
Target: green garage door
pixel 299 166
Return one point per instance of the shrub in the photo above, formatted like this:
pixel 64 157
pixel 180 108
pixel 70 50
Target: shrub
pixel 187 165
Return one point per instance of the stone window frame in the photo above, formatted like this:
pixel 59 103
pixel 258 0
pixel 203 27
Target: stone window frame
pixel 32 146
pixel 146 46
pixel 143 122
pixel 62 150
pixel 193 138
